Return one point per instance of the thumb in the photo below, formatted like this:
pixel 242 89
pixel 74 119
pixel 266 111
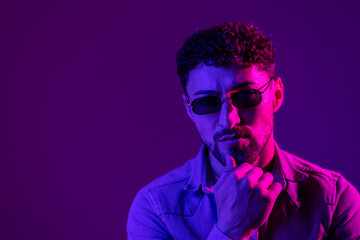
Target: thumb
pixel 230 164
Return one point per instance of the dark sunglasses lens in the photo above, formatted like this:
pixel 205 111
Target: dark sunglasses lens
pixel 246 98
pixel 206 105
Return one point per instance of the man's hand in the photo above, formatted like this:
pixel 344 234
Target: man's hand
pixel 244 197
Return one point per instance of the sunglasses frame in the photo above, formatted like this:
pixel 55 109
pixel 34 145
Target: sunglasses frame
pixel 267 84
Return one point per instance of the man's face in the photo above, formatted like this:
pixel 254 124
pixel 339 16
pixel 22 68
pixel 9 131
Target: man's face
pixel 254 125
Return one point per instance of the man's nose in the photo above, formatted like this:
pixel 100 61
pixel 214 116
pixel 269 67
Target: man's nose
pixel 229 116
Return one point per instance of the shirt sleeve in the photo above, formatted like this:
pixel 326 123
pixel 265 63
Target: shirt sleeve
pixel 346 218
pixel 143 221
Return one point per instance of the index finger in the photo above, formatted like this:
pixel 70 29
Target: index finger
pixel 242 170
pixel 275 188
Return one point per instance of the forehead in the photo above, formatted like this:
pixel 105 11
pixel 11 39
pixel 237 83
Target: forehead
pixel 221 80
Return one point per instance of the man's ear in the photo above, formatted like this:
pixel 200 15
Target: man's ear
pixel 278 94
pixel 187 106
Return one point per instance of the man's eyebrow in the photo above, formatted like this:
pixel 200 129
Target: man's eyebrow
pixel 244 84
pixel 205 92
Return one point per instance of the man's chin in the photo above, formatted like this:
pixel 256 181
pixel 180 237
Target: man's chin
pixel 239 156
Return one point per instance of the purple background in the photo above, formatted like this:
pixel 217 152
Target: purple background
pixel 91 106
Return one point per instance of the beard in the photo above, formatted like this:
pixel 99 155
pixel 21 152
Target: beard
pixel 246 153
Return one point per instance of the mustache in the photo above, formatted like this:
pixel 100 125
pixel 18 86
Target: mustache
pixel 241 131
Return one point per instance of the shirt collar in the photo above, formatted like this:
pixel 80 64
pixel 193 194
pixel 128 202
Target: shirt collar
pixel 201 174
pixel 289 170
pixel 291 173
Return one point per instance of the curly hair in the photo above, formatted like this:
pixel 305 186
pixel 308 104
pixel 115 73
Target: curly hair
pixel 232 43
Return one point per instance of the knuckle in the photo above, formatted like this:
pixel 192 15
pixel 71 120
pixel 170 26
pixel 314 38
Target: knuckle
pixel 258 169
pixel 268 176
pixel 279 186
pixel 245 167
pixel 276 189
pixel 245 164
pixel 236 175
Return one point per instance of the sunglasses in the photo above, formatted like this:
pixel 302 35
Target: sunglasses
pixel 240 99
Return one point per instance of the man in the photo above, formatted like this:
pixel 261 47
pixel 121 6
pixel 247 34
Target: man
pixel 241 185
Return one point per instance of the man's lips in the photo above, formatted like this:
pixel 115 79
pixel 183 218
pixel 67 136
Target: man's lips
pixel 230 137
